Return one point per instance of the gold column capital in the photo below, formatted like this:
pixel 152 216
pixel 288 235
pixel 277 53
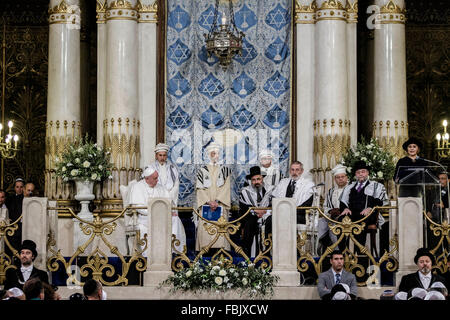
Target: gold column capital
pixel 352 11
pixel 331 10
pixel 121 10
pixel 101 11
pixel 305 14
pixel 64 13
pixel 391 13
pixel 147 13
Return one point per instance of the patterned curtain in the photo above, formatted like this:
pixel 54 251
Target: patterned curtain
pixel 246 108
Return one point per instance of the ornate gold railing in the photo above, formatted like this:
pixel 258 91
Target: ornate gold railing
pixel 6 261
pixel 221 229
pixel 348 229
pixel 97 261
pixel 441 231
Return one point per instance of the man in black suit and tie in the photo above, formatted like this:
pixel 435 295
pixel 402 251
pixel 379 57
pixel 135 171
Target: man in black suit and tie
pixel 17 277
pixel 423 278
pixel 336 275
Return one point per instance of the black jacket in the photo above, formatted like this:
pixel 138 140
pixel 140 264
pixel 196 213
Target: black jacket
pixel 412 280
pixel 14 277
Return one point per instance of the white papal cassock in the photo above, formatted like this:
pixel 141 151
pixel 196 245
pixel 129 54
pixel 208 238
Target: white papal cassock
pixel 140 193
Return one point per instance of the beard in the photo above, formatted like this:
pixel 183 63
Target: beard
pixel 425 270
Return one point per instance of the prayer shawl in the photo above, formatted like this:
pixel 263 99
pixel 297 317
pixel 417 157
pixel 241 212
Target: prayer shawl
pixel 272 176
pixel 304 189
pixel 373 189
pixel 139 195
pixel 168 177
pixel 330 203
pixel 204 177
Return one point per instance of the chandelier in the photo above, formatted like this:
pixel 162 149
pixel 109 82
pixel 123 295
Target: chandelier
pixel 224 41
pixel 443 147
pixel 7 150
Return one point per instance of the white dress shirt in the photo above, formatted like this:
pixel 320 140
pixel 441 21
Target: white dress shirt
pixel 26 271
pixel 425 279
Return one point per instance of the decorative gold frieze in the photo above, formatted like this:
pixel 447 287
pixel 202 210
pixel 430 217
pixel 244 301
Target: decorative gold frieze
pixel 305 14
pixel 147 13
pixel 391 138
pixel 332 4
pixel 331 141
pixel 59 134
pixel 121 137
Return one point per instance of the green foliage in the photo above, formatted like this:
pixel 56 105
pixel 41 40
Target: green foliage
pixel 380 161
pixel 84 160
pixel 245 278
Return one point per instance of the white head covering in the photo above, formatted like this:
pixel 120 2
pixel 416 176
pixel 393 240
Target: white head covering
pixel 213 146
pixel 16 292
pixel 434 295
pixel 162 147
pixel 339 169
pixel 340 296
pixel 266 154
pixel 438 284
pixel 418 293
pixel 346 287
pixel 148 171
pixel 402 295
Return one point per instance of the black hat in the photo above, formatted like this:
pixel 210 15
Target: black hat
pixel 30 245
pixel 253 172
pixel 423 252
pixel 360 164
pixel 411 140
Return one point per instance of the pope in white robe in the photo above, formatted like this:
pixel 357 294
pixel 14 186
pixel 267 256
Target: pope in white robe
pixel 146 189
pixel 214 189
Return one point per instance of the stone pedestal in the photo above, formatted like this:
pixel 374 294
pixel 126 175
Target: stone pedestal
pixel 410 232
pixel 35 227
pixel 284 235
pixel 159 251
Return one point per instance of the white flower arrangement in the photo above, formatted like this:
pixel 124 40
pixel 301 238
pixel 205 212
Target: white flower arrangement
pixel 222 276
pixel 84 160
pixel 380 161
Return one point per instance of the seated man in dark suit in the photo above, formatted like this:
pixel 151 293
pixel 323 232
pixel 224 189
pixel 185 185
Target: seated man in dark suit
pixel 17 277
pixel 336 275
pixel 423 278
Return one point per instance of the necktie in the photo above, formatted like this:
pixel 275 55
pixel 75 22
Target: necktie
pixel 290 189
pixel 360 186
pixel 338 278
pixel 258 198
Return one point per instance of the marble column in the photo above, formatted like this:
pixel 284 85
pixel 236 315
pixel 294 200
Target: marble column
pixel 305 20
pixel 121 123
pixel 390 124
pixel 352 63
pixel 101 68
pixel 147 20
pixel 63 99
pixel 331 125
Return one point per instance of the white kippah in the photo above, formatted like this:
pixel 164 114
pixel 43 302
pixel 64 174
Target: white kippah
pixel 213 146
pixel 434 295
pixel 162 147
pixel 402 295
pixel 340 296
pixel 418 293
pixel 339 169
pixel 346 287
pixel 266 154
pixel 438 284
pixel 148 171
